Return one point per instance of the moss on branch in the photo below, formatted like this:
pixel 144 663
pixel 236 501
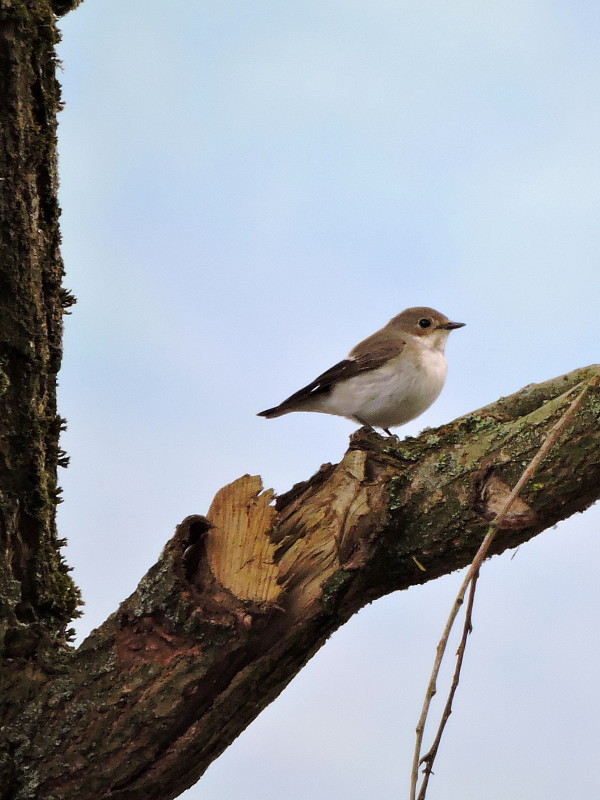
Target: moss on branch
pixel 239 602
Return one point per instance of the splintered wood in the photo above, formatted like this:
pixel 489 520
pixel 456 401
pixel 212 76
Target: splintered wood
pixel 239 547
pixel 257 554
pixel 320 534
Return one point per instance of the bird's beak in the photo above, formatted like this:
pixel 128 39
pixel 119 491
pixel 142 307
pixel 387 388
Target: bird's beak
pixel 451 326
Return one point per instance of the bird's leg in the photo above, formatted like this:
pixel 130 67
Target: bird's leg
pixel 371 428
pixel 363 423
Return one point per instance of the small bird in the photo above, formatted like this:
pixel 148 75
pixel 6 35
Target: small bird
pixel 388 379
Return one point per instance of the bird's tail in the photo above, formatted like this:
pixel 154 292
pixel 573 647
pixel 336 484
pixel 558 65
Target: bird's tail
pixel 276 411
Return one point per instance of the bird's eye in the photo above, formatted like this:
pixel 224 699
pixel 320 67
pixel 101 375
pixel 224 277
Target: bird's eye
pixel 424 323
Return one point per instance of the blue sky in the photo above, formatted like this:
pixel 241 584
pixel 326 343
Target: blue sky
pixel 248 190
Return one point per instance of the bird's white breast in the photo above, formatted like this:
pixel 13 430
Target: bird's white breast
pixel 394 393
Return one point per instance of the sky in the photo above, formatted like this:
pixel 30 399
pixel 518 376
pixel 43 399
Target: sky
pixel 248 190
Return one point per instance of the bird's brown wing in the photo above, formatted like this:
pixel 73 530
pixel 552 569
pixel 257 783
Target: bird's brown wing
pixel 366 356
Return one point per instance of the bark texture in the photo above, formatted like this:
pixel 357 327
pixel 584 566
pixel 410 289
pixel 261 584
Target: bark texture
pixel 242 597
pixel 37 597
pixel 61 7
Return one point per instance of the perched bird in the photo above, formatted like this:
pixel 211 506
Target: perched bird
pixel 388 379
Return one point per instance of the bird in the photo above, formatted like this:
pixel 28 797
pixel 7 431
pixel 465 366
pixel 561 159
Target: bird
pixel 388 379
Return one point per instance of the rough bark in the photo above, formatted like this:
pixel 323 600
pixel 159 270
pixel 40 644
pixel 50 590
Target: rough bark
pixel 62 7
pixel 37 597
pixel 242 598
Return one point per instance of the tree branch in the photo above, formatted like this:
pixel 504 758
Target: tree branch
pixel 242 598
pixel 469 582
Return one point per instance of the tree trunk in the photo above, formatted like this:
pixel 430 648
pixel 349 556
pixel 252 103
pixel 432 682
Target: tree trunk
pixel 241 598
pixel 37 596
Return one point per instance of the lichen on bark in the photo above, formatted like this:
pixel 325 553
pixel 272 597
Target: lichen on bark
pixel 37 595
pixel 153 696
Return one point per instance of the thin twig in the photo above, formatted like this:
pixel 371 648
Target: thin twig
pixel 551 437
pixel 429 757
